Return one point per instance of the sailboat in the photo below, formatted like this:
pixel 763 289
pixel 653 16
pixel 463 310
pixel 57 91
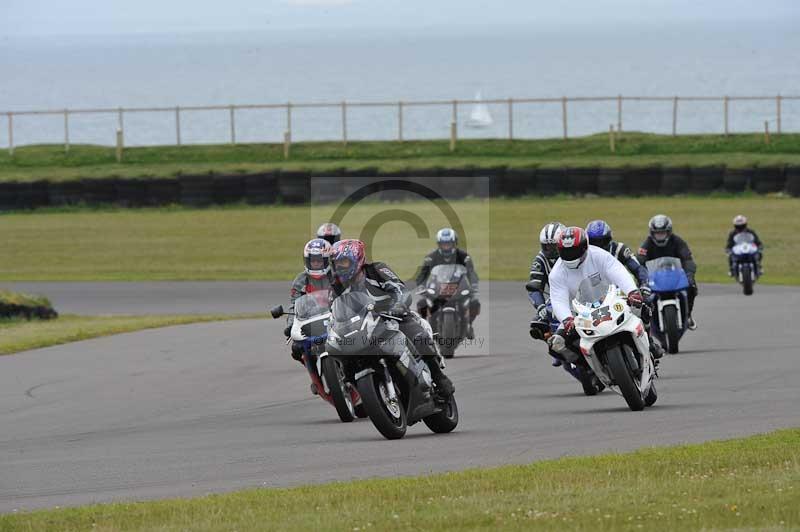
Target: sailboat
pixel 479 116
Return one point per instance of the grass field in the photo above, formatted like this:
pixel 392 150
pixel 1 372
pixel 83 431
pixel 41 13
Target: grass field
pixel 88 161
pixel 17 335
pixel 744 484
pixel 265 243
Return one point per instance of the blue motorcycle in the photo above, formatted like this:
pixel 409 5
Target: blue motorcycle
pixel 744 255
pixel 541 330
pixel 670 298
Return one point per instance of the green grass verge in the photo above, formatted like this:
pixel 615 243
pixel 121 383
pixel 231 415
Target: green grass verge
pixel 16 336
pixel 633 149
pixel 26 300
pixel 265 243
pixel 743 484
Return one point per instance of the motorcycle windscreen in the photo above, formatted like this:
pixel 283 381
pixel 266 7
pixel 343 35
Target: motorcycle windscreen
pixel 447 278
pixel 666 274
pixel 311 304
pixel 744 238
pixel 347 322
pixel 592 291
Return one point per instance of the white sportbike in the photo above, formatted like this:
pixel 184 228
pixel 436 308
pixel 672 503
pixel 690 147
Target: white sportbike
pixel 614 342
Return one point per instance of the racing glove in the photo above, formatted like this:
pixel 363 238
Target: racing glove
pixel 541 310
pixel 568 325
pixel 398 310
pixel 635 299
pixel 287 332
pixel 297 351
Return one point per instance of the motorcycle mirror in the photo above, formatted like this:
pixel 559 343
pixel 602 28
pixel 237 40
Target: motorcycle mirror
pixel 276 312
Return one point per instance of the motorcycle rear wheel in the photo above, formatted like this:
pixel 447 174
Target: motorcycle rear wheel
pixel 446 420
pixel 747 279
pixel 671 332
pixel 334 378
pixel 623 378
pixel 389 417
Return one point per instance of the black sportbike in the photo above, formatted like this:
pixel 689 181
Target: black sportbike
pixel 394 383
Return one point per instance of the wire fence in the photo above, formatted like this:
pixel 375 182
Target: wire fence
pixel 516 118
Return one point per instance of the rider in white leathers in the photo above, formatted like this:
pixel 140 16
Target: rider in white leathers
pixel 578 261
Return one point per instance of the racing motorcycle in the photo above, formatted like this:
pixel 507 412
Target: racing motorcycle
pixel 745 261
pixel 394 384
pixel 447 292
pixel 310 329
pixel 670 300
pixel 542 330
pixel 614 342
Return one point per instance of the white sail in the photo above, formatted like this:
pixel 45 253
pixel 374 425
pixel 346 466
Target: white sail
pixel 480 116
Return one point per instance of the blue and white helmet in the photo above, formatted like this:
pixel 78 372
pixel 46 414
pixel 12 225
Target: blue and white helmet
pixel 447 240
pixel 599 234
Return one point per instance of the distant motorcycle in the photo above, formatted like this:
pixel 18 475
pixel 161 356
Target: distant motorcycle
pixel 670 300
pixel 614 342
pixel 745 261
pixel 447 292
pixel 369 347
pixel 310 328
pixel 542 330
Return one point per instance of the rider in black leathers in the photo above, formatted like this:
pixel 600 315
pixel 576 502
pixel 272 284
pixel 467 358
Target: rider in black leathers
pixel 663 243
pixel 379 280
pixel 740 226
pixel 447 252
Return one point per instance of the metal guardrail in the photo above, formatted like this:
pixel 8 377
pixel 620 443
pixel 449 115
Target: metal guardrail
pixel 399 106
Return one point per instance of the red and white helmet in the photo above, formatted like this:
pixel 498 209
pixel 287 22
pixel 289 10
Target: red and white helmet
pixel 740 222
pixel 572 247
pixel 316 256
pixel 330 232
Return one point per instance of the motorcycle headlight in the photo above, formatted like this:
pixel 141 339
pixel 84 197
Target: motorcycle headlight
pixel 431 291
pixel 465 292
pixel 588 332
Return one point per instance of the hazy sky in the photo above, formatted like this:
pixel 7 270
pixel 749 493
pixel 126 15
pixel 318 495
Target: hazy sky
pixel 88 17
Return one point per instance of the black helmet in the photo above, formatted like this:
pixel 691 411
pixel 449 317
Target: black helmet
pixel 330 232
pixel 660 229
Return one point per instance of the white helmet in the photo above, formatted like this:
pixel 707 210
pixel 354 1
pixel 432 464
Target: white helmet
pixel 447 240
pixel 548 238
pixel 740 222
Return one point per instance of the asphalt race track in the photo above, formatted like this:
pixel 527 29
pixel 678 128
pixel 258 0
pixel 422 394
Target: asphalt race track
pixel 205 408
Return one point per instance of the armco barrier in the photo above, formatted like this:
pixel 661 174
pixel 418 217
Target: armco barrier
pixel 298 187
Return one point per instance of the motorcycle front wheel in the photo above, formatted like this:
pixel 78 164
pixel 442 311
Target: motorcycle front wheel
pixel 388 415
pixel 747 279
pixel 446 420
pixel 671 332
pixel 624 379
pixel 334 379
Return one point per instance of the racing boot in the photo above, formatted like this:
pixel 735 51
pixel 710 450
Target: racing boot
pixel 443 384
pixel 691 324
pixel 656 348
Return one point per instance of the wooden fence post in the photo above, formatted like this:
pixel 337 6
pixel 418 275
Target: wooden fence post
pixel 289 117
pixel 766 132
pixel 178 125
pixel 66 131
pixel 778 99
pixel 232 119
pixel 619 113
pixel 120 120
pixel 344 124
pixel 453 135
pixel 726 115
pixel 611 138
pixel 564 115
pixel 674 116
pixel 400 121
pixel 287 142
pixel 510 119
pixel 120 141
pixel 10 133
